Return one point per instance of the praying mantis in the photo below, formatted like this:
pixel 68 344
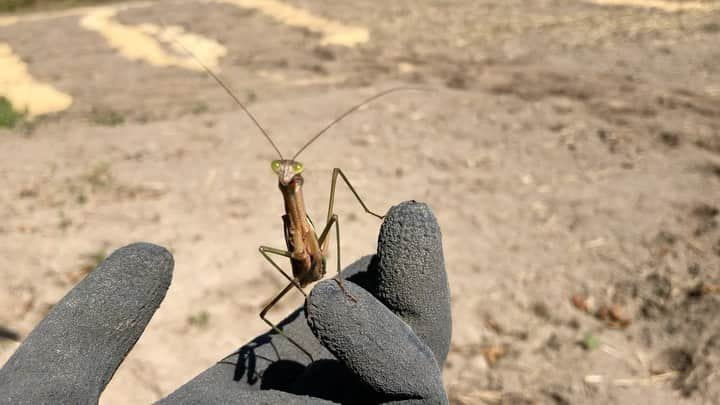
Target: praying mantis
pixel 306 249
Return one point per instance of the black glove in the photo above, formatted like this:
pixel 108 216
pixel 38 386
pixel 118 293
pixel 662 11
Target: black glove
pixel 387 346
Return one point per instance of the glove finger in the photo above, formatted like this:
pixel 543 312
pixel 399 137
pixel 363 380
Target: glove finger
pixel 408 274
pixel 375 344
pixel 72 354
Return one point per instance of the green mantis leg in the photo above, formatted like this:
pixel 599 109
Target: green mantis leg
pixel 264 250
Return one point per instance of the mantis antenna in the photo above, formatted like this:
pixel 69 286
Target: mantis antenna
pixel 257 124
pixel 230 93
pixel 352 110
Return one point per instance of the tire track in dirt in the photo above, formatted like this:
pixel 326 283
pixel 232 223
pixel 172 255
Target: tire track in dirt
pixel 156 46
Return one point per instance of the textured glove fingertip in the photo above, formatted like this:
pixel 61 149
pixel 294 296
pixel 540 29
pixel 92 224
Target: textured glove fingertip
pixel 373 343
pixel 411 278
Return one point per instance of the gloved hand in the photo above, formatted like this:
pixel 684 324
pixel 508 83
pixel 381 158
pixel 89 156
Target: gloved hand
pixel 387 346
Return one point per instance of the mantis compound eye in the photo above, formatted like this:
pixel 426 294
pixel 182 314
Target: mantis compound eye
pixel 275 165
pixel 297 167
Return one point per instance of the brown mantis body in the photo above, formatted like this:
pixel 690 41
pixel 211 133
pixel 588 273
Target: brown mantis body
pixel 305 248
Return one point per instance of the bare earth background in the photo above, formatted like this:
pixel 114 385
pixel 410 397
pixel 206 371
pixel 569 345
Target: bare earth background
pixel 571 155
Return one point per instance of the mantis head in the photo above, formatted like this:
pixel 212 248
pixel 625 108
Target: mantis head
pixel 286 169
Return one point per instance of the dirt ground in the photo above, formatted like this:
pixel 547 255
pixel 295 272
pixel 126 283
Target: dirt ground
pixel 571 154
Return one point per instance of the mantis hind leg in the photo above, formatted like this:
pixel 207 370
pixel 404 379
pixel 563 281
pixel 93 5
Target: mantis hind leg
pixel 265 250
pixel 323 238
